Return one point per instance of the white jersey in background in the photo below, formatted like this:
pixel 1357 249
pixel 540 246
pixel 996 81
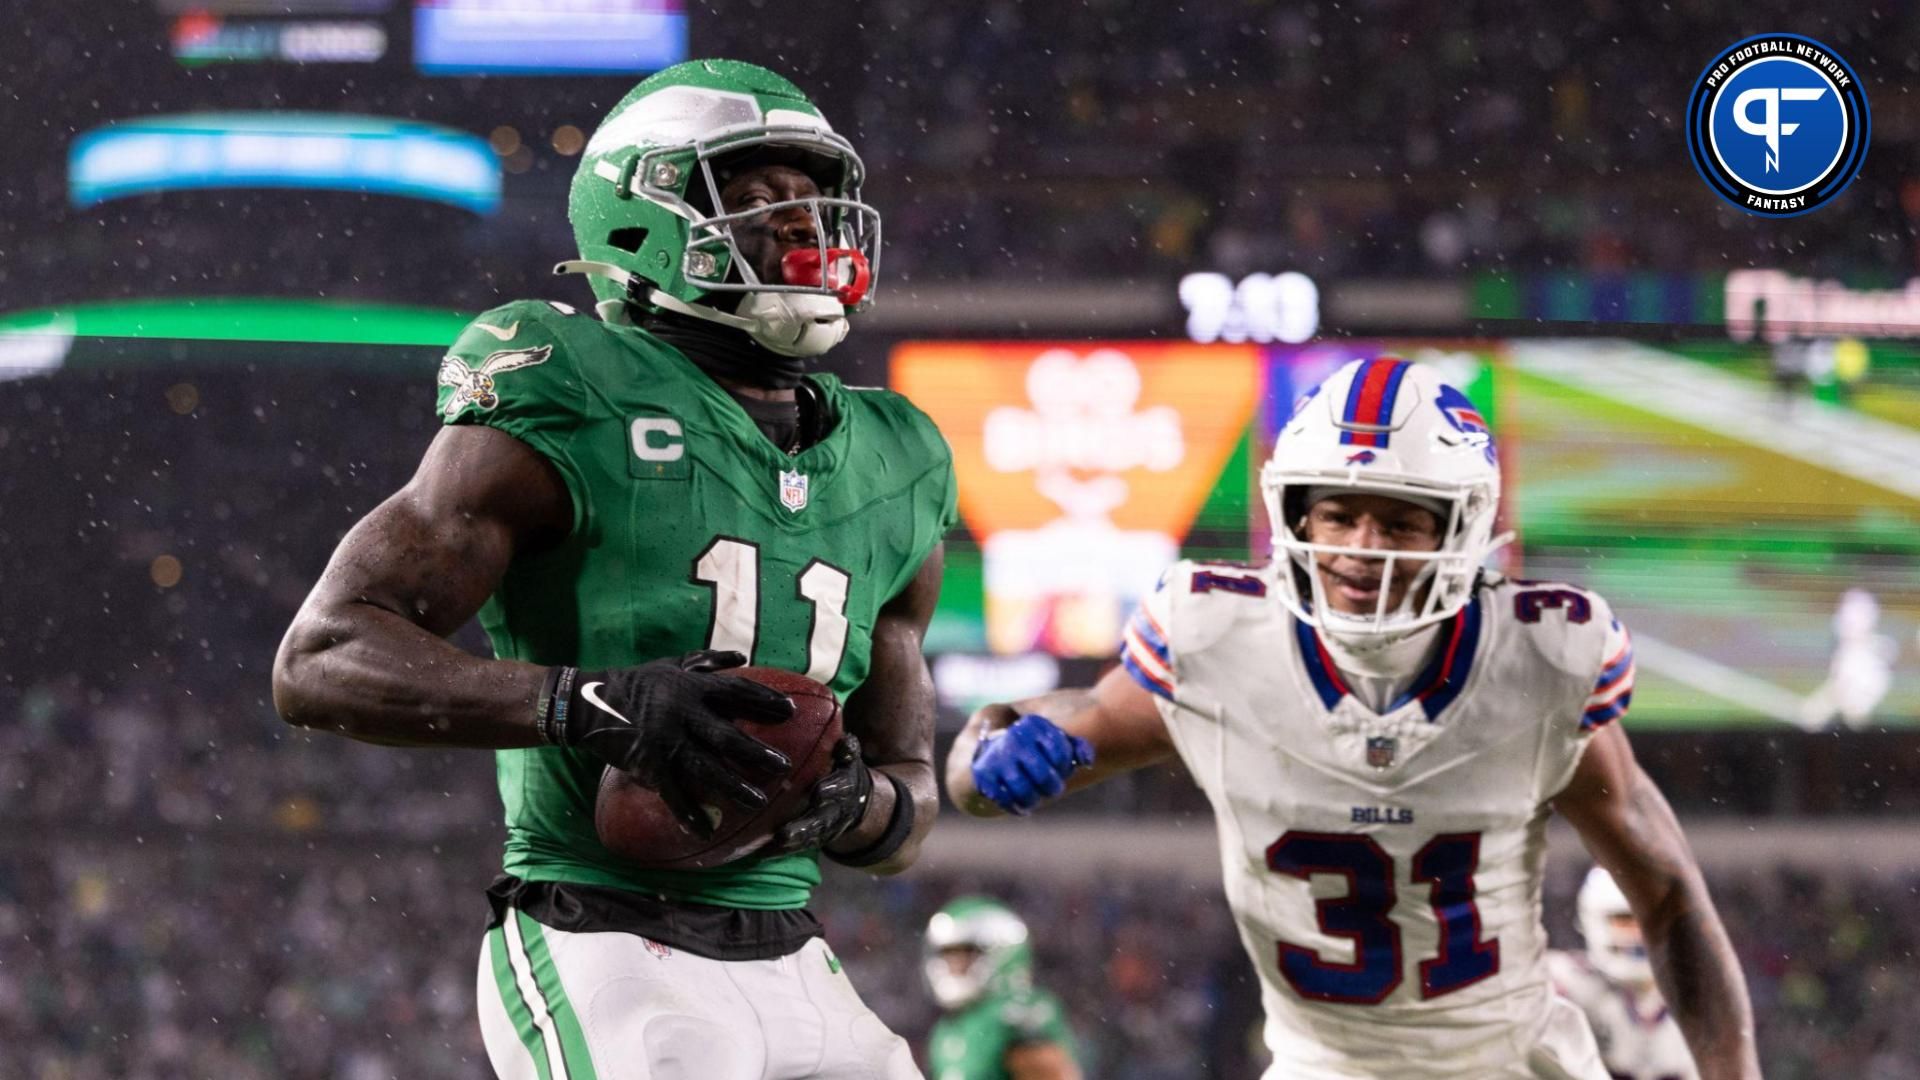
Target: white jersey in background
pixel 1385 869
pixel 1638 1037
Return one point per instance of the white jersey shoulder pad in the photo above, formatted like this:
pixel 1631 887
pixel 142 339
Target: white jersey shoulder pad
pixel 1575 632
pixel 1194 606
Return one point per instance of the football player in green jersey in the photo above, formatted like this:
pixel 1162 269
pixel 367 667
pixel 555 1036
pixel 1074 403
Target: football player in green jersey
pixel 633 501
pixel 997 1026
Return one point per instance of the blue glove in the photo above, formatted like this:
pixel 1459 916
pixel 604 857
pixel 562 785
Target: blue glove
pixel 1027 763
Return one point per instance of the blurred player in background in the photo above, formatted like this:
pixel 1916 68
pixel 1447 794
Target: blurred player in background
pixel 633 503
pixel 998 1025
pixel 1861 671
pixel 1383 728
pixel 1612 982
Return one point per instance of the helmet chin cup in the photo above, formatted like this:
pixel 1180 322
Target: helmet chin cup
pixel 794 324
pixel 848 268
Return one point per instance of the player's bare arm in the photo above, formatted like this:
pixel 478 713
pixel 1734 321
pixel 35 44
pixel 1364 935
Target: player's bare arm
pixel 367 654
pixel 1629 828
pixel 892 714
pixel 1041 1061
pixel 1116 717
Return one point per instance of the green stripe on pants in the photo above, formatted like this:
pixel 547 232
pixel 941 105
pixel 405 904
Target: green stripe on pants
pixel 517 1009
pixel 573 1041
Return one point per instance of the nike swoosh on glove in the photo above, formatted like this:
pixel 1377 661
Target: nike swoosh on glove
pixel 1027 763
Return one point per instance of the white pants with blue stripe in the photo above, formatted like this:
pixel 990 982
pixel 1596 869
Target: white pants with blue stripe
pixel 562 1006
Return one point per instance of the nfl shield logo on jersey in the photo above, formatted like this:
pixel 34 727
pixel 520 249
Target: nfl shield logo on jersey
pixel 1380 751
pixel 793 491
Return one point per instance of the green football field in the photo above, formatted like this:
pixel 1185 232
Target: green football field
pixel 1719 519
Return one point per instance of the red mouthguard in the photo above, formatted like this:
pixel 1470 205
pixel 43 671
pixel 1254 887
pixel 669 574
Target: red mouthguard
pixel 847 266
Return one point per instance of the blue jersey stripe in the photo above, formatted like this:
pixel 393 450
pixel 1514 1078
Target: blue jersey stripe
pixel 1612 673
pixel 1144 678
pixel 1447 673
pixel 1325 682
pixel 1601 715
pixel 1143 625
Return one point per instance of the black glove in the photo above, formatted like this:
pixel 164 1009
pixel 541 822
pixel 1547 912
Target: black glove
pixel 838 802
pixel 667 723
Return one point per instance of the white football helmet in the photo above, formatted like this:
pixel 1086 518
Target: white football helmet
pixel 1600 902
pixel 1005 963
pixel 1385 426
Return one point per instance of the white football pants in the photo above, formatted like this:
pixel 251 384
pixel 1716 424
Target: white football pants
pixel 611 1006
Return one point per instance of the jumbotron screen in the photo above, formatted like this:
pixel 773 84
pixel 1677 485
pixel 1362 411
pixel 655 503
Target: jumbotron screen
pixel 1761 543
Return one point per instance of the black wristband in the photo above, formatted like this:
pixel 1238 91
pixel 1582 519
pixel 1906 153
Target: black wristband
pixel 550 709
pixel 899 827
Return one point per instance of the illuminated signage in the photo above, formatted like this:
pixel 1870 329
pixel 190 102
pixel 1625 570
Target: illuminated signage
pixel 274 7
pixel 284 150
pixel 1259 307
pixel 201 38
pixel 1081 468
pixel 1776 306
pixel 542 37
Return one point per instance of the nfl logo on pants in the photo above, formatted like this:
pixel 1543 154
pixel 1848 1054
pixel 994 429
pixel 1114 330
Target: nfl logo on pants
pixel 793 491
pixel 1380 750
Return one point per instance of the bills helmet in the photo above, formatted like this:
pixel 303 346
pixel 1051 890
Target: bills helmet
pixel 1004 960
pixel 647 215
pixel 1385 426
pixel 1600 903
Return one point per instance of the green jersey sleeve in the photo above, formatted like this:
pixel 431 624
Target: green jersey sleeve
pixel 922 448
pixel 512 369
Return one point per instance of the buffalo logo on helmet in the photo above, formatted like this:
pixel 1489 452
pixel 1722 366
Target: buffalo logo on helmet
pixel 1465 417
pixel 1364 457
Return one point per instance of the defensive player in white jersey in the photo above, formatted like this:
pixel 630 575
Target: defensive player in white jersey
pixel 1612 982
pixel 1383 729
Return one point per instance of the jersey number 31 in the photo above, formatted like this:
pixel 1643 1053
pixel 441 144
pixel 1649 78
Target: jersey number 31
pixel 1445 864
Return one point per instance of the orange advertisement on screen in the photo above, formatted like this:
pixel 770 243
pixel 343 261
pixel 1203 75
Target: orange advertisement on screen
pixel 1081 467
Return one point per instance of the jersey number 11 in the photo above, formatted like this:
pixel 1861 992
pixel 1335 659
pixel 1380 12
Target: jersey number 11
pixel 731 568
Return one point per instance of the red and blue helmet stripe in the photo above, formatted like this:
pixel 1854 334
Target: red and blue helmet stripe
pixel 1370 401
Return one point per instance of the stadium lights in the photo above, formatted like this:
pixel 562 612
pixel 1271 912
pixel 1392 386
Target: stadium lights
pixel 26 333
pixel 284 150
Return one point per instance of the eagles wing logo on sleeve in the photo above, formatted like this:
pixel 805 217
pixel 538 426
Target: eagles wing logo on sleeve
pixel 474 386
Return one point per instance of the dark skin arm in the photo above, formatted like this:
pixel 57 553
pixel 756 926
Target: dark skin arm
pixel 892 713
pixel 1628 827
pixel 1041 1061
pixel 366 655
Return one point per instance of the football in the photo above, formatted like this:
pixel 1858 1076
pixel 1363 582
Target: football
pixel 634 822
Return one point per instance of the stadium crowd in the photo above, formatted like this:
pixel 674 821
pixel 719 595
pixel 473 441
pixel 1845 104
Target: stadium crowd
pixel 164 954
pixel 1398 138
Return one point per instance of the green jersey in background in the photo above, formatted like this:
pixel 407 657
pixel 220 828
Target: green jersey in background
pixel 690 530
pixel 972 1043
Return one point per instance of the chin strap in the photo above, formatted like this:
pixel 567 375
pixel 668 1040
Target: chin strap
pixel 791 324
pixel 701 311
